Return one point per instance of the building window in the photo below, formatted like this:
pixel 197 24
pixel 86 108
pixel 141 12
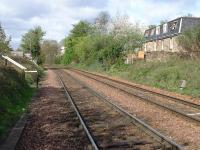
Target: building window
pixel 165 28
pixel 158 30
pixel 174 25
pixel 171 43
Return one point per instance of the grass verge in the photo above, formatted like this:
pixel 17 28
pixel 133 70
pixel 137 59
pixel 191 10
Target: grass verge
pixel 164 75
pixel 15 93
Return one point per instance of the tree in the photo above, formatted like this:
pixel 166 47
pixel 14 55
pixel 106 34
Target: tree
pixel 163 21
pixel 80 29
pixel 152 26
pixel 189 15
pixel 68 54
pixel 120 23
pixel 189 40
pixel 31 42
pixel 103 42
pixel 49 50
pixel 4 41
pixel 127 33
pixel 101 22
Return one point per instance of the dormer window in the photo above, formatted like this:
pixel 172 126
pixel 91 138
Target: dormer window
pixel 174 25
pixel 146 34
pixel 158 30
pixel 165 28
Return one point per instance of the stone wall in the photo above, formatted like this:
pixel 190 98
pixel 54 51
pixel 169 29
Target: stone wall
pixel 176 47
pixel 159 45
pixel 168 50
pixel 166 45
pixel 150 46
pixel 158 55
pixel 163 55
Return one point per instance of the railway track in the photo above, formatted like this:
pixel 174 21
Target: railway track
pixel 176 105
pixel 107 125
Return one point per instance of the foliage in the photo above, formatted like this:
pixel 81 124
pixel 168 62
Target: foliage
pixel 4 41
pixel 190 39
pixel 163 21
pixel 101 22
pixel 79 31
pixel 31 42
pixel 58 59
pixel 15 93
pixel 105 42
pixel 151 26
pixel 49 50
pixel 67 57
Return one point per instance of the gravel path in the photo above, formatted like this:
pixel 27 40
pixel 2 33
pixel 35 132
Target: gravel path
pixel 177 128
pixel 53 123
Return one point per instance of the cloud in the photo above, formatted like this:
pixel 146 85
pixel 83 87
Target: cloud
pixel 152 11
pixel 87 3
pixel 57 16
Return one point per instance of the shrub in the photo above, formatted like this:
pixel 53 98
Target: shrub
pixel 190 39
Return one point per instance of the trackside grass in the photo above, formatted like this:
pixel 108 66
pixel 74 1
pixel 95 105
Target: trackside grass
pixel 165 75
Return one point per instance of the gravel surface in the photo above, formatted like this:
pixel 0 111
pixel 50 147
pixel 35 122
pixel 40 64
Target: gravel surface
pixel 177 128
pixel 53 123
pixel 110 128
pixel 152 97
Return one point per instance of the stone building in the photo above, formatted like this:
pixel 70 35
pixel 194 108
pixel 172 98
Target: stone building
pixel 161 40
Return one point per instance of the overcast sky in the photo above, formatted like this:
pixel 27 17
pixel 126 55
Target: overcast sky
pixel 57 16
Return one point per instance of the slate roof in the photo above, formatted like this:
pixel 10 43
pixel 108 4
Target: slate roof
pixel 171 28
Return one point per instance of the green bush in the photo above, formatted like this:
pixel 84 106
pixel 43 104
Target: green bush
pixel 190 39
pixel 58 59
pixel 90 43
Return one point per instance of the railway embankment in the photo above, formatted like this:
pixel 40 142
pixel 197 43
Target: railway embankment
pixel 168 75
pixel 17 86
pixel 15 94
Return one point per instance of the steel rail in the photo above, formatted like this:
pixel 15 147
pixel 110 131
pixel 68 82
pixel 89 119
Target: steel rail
pixel 136 121
pixel 196 120
pixel 89 135
pixel 180 100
